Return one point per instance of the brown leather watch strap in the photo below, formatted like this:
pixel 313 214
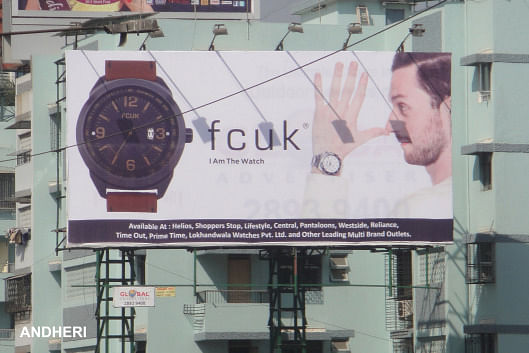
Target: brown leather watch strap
pixel 116 69
pixel 132 202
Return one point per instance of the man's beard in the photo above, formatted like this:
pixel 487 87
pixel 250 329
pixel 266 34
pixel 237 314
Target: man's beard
pixel 427 148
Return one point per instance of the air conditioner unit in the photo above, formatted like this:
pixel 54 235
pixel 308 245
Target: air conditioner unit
pixel 338 261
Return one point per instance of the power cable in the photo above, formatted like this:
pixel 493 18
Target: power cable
pixel 239 91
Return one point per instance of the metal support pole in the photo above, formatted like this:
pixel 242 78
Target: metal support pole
pixel 390 273
pixel 194 273
pixel 107 303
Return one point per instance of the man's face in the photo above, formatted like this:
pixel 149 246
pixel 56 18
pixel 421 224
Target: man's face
pixel 413 106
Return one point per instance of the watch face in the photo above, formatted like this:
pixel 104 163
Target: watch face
pixel 131 133
pixel 330 164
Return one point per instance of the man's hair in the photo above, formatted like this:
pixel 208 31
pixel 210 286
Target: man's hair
pixel 433 72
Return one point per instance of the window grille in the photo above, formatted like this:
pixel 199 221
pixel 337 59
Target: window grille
pixel 399 294
pixel 309 271
pixel 24 143
pixel 55 131
pixel 480 343
pixel 429 299
pixel 24 217
pixel 431 345
pixel 480 263
pixel 80 283
pixel 403 345
pixel 7 191
pixel 404 275
pixel 23 158
pixel 362 15
pixel 431 266
pixel 18 292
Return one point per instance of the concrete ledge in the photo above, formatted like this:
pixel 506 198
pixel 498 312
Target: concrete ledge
pixel 496 238
pixel 475 59
pixel 312 335
pixel 494 328
pixel 477 148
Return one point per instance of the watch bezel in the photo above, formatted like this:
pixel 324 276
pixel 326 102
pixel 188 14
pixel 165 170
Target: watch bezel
pixel 321 157
pixel 117 181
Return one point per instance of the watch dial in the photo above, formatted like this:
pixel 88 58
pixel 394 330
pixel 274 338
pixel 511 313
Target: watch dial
pixel 330 164
pixel 130 132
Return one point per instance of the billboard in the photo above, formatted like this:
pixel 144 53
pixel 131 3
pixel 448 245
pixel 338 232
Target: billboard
pixel 190 6
pixel 252 149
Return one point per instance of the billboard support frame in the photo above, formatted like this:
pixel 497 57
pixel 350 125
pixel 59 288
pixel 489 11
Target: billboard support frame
pixel 105 265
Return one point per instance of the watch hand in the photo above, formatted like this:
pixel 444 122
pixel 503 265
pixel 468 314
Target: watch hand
pixel 120 148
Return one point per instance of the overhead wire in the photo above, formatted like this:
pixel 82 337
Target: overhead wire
pixel 270 79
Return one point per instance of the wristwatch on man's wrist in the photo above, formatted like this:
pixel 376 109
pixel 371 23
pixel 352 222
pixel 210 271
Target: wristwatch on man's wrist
pixel 328 163
pixel 131 135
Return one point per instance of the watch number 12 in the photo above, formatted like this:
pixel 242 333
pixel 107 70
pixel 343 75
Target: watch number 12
pixel 130 101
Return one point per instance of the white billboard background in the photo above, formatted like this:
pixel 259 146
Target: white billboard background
pixel 377 173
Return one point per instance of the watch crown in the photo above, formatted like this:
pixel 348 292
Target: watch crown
pixel 189 135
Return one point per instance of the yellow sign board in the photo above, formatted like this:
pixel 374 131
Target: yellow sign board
pixel 166 291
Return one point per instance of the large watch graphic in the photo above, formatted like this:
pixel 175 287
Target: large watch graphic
pixel 131 135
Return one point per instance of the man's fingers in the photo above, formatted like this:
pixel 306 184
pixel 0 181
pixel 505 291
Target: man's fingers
pixel 358 98
pixel 349 86
pixel 336 85
pixel 318 92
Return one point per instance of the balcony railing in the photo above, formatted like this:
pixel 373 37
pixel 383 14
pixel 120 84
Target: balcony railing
pixel 233 296
pixel 7 334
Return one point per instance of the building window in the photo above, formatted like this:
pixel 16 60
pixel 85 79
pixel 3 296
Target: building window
pixel 18 296
pixel 340 345
pixel 139 264
pixel 403 345
pixel 24 145
pixel 311 347
pixel 7 191
pixel 141 347
pixel 431 344
pixel 480 343
pixel 404 275
pixel 311 272
pixel 362 15
pixel 24 217
pixel 484 75
pixel 485 170
pixel 55 131
pixel 399 298
pixel 23 158
pixel 480 263
pixel 394 15
pixel 241 347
